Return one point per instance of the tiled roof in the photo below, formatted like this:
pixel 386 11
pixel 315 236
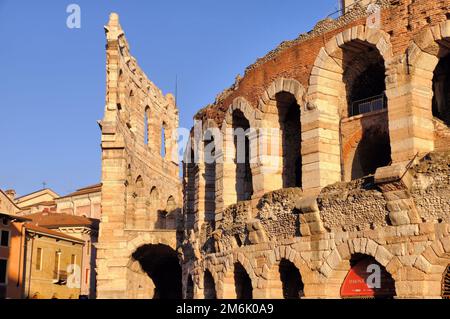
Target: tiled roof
pixel 11 216
pixel 86 190
pixel 52 233
pixel 56 220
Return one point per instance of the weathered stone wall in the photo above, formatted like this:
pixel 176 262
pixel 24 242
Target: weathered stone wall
pixel 367 204
pixel 354 218
pixel 398 214
pixel 431 188
pixel 141 189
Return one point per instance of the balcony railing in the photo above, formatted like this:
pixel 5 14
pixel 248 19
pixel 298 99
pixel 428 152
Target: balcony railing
pixel 371 104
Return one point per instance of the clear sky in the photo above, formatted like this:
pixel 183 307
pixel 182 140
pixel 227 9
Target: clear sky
pixel 52 90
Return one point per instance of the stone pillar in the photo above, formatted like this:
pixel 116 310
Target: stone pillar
pixel 411 127
pixel 229 195
pixel 112 256
pixel 267 173
pixel 321 163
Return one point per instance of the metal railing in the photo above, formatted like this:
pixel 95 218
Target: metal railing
pixel 371 104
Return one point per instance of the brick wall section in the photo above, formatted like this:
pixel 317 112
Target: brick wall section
pixel 403 21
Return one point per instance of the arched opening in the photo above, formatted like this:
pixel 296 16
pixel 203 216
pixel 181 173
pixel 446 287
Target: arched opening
pixel 209 286
pixel 364 78
pixel 146 125
pixel 170 214
pixel 446 284
pixel 367 279
pixel 441 90
pixel 289 121
pixel 160 262
pixel 244 179
pixel 291 280
pixel 140 207
pixel 373 151
pixel 189 288
pixel 163 140
pixel 210 177
pixel 190 189
pixel 242 283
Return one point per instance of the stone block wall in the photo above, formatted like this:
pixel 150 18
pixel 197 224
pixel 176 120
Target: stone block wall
pixel 397 213
pixel 141 188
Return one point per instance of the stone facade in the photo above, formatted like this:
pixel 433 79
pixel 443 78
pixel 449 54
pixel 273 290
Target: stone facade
pixel 373 178
pixel 141 188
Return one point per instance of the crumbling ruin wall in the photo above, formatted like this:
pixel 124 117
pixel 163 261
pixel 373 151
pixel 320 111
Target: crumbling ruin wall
pixel 141 192
pixel 431 188
pixel 354 218
pixel 349 206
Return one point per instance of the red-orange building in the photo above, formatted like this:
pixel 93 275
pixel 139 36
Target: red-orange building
pixel 11 255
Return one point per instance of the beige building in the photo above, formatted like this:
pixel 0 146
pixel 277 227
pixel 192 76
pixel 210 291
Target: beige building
pixel 82 228
pixel 43 198
pixel 52 264
pixel 76 215
pixel 85 202
pixel 7 203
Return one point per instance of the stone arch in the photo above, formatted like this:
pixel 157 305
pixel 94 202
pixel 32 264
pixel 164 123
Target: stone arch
pixel 140 212
pixel 242 282
pixel 209 285
pixel 149 258
pixel 189 290
pixel 425 54
pixel 282 85
pixel 279 161
pixel 331 90
pixel 163 140
pixel 326 74
pixel 336 266
pixel 234 174
pixel 240 103
pixel 356 284
pixel 284 281
pixel 190 185
pixel 170 213
pixel 228 285
pixel 434 262
pixel 212 151
pixel 270 272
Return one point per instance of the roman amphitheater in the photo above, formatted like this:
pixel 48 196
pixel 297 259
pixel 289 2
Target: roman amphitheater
pixel 360 107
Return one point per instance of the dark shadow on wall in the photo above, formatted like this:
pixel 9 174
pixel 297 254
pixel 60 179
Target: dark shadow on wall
pixel 372 152
pixel 290 127
pixel 209 286
pixel 441 90
pixel 244 178
pixel 161 264
pixel 242 283
pixel 291 280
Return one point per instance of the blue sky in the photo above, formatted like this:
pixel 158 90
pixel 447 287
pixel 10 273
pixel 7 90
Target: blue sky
pixel 53 78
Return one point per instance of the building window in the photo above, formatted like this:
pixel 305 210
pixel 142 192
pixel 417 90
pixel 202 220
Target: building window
pixel 39 259
pixel 88 248
pixel 4 242
pixel 87 276
pixel 3 270
pixel 57 265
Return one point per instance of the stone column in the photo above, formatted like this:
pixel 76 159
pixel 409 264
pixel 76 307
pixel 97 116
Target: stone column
pixel 411 127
